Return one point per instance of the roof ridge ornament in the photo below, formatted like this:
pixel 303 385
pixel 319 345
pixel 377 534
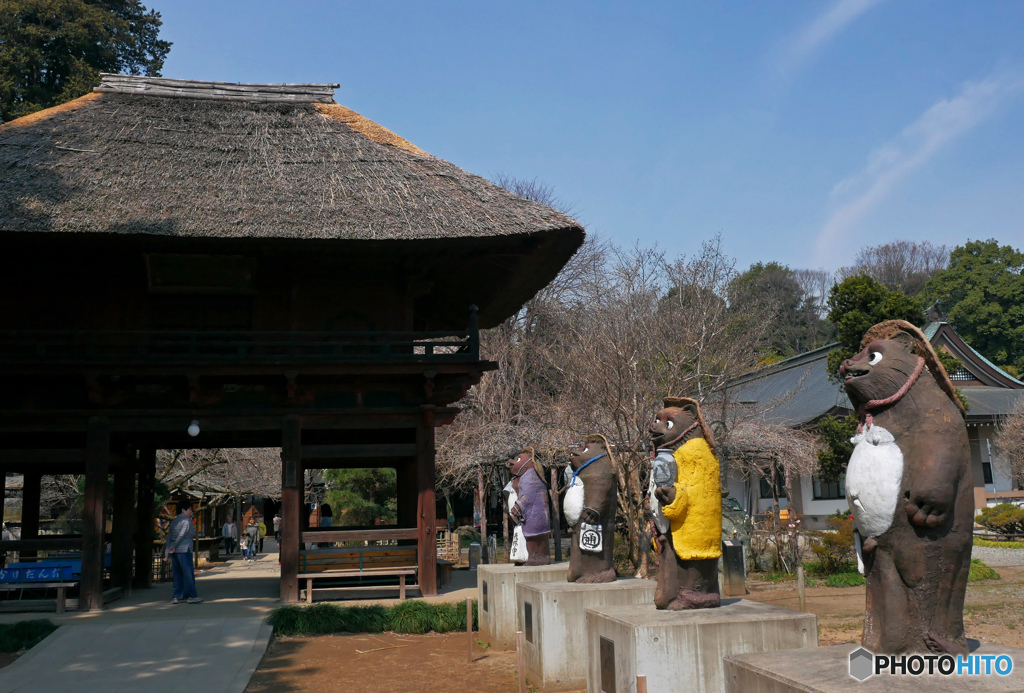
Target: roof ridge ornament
pixel 220 91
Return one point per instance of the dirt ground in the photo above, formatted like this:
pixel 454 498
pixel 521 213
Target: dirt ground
pixel 412 663
pixel 415 663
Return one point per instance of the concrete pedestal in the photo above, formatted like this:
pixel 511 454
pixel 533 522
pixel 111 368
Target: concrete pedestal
pixel 827 670
pixel 552 616
pixel 496 595
pixel 683 650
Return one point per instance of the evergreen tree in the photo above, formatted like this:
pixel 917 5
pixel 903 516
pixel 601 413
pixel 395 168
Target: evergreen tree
pixel 857 303
pixel 982 292
pixel 53 51
pixel 363 497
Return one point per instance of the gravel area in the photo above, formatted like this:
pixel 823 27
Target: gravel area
pixel 997 557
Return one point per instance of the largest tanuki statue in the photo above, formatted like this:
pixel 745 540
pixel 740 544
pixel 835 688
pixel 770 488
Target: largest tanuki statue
pixel 909 488
pixel 686 505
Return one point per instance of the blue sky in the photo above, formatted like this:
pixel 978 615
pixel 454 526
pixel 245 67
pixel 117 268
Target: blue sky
pixel 800 131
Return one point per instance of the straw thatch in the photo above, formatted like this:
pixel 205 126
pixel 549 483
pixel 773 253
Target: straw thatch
pixel 144 155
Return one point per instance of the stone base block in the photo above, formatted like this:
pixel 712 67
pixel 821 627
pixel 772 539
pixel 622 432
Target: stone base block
pixel 496 595
pixel 552 616
pixel 683 650
pixel 827 670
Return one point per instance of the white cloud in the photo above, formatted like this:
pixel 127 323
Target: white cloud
pixel 888 165
pixel 840 15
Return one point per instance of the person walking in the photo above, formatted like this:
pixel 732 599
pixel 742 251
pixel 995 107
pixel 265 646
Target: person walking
pixel 252 531
pixel 277 528
pixel 180 535
pixel 230 532
pixel 326 515
pixel 263 532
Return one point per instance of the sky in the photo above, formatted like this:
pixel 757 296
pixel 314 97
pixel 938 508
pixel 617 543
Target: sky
pixel 799 131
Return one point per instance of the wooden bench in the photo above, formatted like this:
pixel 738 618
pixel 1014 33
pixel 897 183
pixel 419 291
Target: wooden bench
pixel 358 562
pixel 402 573
pixel 61 587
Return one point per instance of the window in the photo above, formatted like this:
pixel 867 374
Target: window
pixel 779 483
pixel 986 469
pixel 829 490
pixel 961 374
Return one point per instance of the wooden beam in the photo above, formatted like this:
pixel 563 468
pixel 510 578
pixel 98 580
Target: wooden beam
pixel 123 527
pixel 144 517
pixel 366 450
pixel 331 535
pixel 3 491
pixel 30 495
pixel 176 421
pixel 16 458
pixel 97 462
pixel 291 506
pixel 57 543
pixel 426 511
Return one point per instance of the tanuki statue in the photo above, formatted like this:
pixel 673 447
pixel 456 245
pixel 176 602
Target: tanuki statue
pixel 685 498
pixel 589 506
pixel 910 491
pixel 531 510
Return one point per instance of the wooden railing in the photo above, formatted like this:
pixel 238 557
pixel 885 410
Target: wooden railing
pixel 332 535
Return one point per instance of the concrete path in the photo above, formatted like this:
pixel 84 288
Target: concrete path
pixel 156 656
pixel 144 643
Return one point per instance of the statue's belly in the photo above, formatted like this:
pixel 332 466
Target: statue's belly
pixel 873 480
pixel 572 503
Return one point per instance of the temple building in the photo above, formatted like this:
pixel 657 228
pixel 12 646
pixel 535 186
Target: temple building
pixel 212 265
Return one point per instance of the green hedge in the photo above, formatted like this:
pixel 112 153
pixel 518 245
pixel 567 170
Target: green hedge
pixel 414 617
pixel 845 579
pixel 22 635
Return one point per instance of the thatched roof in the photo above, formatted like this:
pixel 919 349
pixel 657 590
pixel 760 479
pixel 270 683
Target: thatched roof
pixel 144 155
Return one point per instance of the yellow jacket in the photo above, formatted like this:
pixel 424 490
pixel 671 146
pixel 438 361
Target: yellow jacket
pixel 695 515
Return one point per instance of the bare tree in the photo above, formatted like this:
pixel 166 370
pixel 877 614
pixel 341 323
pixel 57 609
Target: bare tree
pixel 901 265
pixel 1010 444
pixel 532 189
pixel 214 472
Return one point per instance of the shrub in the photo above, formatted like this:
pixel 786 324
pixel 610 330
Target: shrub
pixel 414 617
pixel 998 544
pixel 834 549
pixel 15 637
pixel 980 571
pixel 1004 518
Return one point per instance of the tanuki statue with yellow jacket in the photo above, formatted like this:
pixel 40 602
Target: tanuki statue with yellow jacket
pixel 685 497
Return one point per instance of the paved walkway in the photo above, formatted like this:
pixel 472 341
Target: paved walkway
pixel 144 643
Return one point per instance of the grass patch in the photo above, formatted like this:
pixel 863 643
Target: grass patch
pixel 980 571
pixel 15 637
pixel 845 579
pixel 1010 544
pixel 413 617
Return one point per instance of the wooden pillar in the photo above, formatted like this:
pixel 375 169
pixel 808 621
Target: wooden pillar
pixel 144 518
pixel 124 525
pixel 291 506
pixel 426 549
pixel 3 491
pixel 30 496
pixel 556 516
pixel 481 491
pixel 97 462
